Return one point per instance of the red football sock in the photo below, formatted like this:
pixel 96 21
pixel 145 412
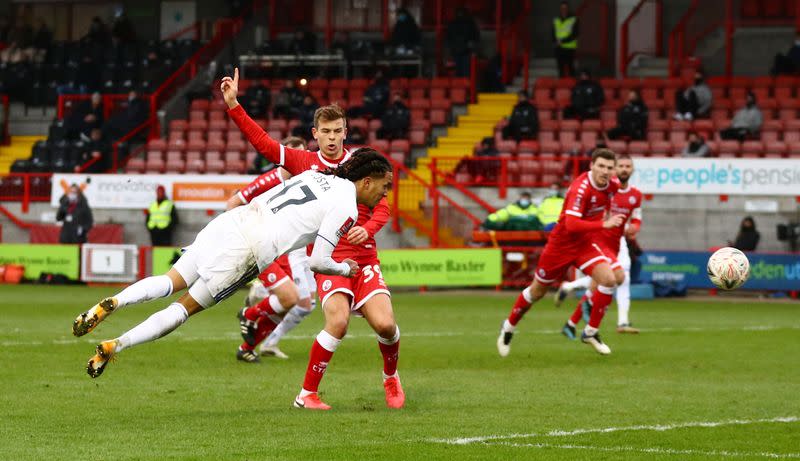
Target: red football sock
pixel 600 302
pixel 321 353
pixel 521 306
pixel 269 306
pixel 578 314
pixel 390 349
pixel 264 327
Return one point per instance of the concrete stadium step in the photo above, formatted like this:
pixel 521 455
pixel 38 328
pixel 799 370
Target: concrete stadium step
pixel 19 148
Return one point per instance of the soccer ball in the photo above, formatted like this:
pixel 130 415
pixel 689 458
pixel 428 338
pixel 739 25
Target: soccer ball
pixel 728 268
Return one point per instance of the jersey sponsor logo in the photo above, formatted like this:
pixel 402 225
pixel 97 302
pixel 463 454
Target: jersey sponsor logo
pixel 326 285
pixel 632 200
pixel 271 278
pixel 345 228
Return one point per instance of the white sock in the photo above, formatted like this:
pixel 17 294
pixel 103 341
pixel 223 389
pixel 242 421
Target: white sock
pixel 289 322
pixel 275 304
pixel 590 330
pixel 157 325
pixel 385 376
pixel 571 323
pixel 526 293
pixel 157 286
pixel 583 282
pixel 508 327
pixel 624 300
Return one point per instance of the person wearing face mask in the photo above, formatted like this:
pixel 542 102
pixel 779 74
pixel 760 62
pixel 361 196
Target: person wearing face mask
pixel 695 101
pixel 550 208
pixel 586 99
pixel 520 215
pixel 748 237
pixel 746 123
pixel 406 35
pixel 75 215
pixel 631 119
pixel 696 147
pixel 161 219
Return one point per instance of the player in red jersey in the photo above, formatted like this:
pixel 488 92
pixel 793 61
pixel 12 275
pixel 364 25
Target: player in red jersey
pixel 573 241
pixel 628 203
pixel 365 294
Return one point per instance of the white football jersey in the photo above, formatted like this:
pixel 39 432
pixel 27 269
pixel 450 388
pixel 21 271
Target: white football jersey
pixel 310 206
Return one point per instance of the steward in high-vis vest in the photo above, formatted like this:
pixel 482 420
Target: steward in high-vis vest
pixel 565 35
pixel 161 219
pixel 550 208
pixel 520 215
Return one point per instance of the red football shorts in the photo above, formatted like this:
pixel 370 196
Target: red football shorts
pixel 557 257
pixel 368 283
pixel 277 273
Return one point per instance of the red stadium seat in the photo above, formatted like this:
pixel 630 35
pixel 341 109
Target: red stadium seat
pixel 528 146
pixel 752 149
pixel 660 148
pixel 775 149
pixel 199 105
pixel 400 145
pixel 639 148
pixel 135 165
pixel 158 144
pixel 178 125
pixel 729 148
pixel 507 145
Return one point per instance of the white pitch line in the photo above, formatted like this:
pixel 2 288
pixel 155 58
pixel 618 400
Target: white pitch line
pixel 663 451
pixel 433 334
pixel 604 430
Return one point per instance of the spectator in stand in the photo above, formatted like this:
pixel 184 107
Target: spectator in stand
pixel 463 39
pixel 98 33
pixel 789 63
pixel 406 35
pixel 303 42
pixel 153 70
pixel 519 215
pixel 696 147
pixel 482 171
pixel 748 237
pixel 5 29
pixel 95 148
pixel 746 123
pixel 492 78
pixel 161 218
pixel 396 120
pixel 306 112
pixel 42 41
pixel 631 119
pixel 549 210
pixel 20 44
pixel 695 101
pixel 287 101
pixel 87 116
pixel 524 120
pixel 123 122
pixel 75 215
pixel 356 136
pixel 565 36
pixel 122 29
pixel 587 98
pixel 376 97
pixel 257 100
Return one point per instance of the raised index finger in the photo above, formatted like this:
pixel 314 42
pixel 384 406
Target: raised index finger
pixel 235 75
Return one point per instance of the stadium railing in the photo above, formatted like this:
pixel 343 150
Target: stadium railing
pixel 25 188
pixel 594 16
pixel 515 48
pixel 641 33
pixel 420 201
pixel 5 138
pixel 111 103
pixel 697 23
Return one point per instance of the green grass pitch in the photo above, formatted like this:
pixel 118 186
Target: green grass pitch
pixel 705 380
